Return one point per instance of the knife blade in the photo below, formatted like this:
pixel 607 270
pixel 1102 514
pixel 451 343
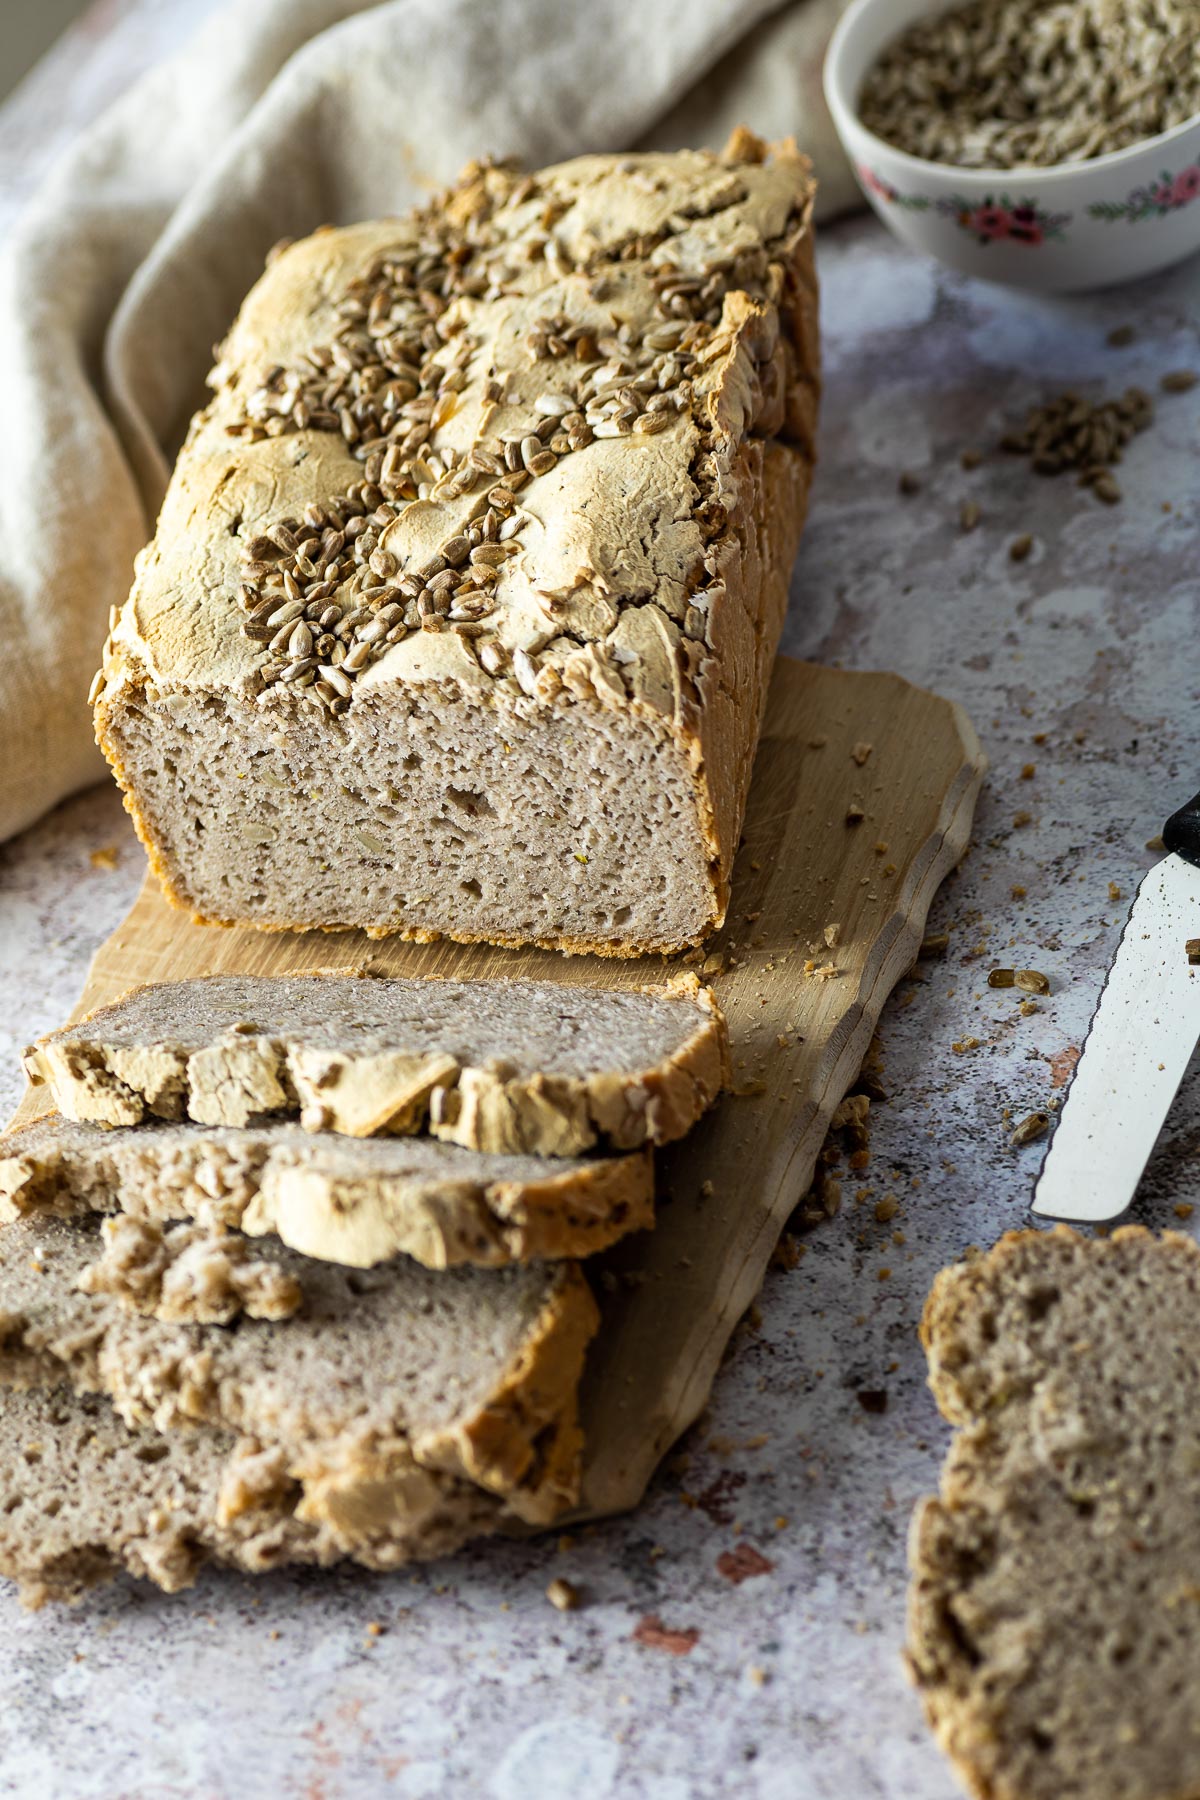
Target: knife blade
pixel 1142 1036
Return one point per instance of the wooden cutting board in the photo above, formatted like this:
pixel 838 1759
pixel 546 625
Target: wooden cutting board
pixel 862 801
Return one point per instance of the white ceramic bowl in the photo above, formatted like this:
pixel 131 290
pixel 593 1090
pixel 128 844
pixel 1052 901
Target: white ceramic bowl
pixel 1078 225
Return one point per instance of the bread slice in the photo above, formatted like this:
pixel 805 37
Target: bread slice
pixel 504 1066
pixel 357 1201
pixel 84 1496
pixel 1054 1628
pixel 377 1387
pixel 466 589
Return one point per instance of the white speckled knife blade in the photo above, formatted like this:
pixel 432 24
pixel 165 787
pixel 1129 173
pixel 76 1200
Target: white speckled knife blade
pixel 1141 1040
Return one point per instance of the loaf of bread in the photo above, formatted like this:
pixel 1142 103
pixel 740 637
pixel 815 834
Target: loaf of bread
pixel 357 1201
pixel 463 601
pixel 1054 1626
pixel 379 1388
pixel 501 1066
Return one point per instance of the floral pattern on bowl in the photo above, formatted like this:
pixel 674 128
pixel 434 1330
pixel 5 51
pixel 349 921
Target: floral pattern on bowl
pixel 995 219
pixel 875 184
pixel 1155 201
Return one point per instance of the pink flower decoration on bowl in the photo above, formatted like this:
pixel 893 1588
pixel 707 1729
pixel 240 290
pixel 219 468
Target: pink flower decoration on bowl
pixel 991 223
pixel 1166 195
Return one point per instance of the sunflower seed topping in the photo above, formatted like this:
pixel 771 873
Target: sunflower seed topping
pixel 323 595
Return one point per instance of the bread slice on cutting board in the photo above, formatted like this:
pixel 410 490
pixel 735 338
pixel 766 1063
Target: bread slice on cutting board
pixel 358 1201
pixel 379 1387
pixel 1054 1620
pixel 84 1496
pixel 502 1066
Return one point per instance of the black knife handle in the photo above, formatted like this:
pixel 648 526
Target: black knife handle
pixel 1181 833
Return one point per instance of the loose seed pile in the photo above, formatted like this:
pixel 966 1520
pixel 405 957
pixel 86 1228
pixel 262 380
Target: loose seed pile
pixel 323 594
pixel 1003 84
pixel 1071 433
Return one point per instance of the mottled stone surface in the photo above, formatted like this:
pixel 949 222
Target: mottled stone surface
pixel 740 1634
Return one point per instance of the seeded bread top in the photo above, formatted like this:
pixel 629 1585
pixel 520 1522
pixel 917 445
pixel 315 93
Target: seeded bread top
pixel 493 444
pixel 1054 1627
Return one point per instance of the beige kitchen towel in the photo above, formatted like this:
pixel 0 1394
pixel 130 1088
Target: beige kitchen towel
pixel 279 115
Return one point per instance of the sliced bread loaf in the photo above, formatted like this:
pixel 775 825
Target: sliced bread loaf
pixel 503 1066
pixel 357 1201
pixel 83 1496
pixel 466 587
pixel 1054 1624
pixel 378 1382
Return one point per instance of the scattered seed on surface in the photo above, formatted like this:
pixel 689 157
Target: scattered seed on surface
pixel 1020 547
pixel 1178 381
pixel 1001 978
pixel 1193 950
pixel 908 482
pixel 968 514
pixel 1032 1127
pixel 563 1594
pixel 1031 981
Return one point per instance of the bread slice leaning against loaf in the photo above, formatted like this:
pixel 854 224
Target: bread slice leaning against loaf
pixel 358 1201
pixel 1054 1625
pixel 462 606
pixel 533 1067
pixel 378 1388
pixel 84 1496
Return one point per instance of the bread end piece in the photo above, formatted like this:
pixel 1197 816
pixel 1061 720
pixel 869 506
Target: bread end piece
pixel 1054 1611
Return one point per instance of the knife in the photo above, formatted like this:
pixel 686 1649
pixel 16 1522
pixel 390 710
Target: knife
pixel 1140 1041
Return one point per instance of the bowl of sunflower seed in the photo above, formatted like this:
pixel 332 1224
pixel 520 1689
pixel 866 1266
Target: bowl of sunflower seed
pixel 1049 144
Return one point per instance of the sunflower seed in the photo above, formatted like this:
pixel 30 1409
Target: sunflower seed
pixel 525 670
pixel 1004 83
pixel 337 680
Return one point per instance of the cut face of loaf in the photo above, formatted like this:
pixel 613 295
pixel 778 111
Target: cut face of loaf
pixel 357 1201
pixel 465 593
pixel 84 1496
pixel 500 1066
pixel 379 1387
pixel 1054 1625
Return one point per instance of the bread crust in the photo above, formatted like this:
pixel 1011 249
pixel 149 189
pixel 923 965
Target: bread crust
pixel 693 673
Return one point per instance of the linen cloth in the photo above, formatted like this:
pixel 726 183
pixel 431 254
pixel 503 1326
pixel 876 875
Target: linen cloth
pixel 278 116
